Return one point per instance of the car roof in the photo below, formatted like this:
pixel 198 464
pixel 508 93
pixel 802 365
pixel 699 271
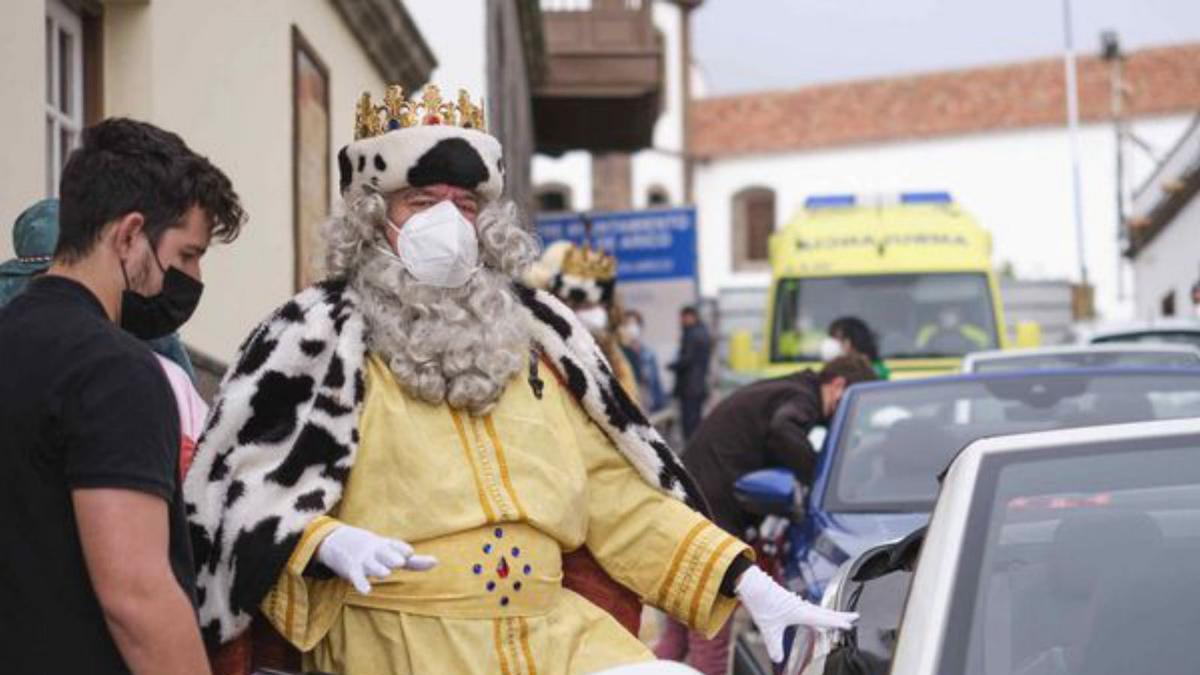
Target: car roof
pixel 1105 347
pixel 1133 327
pixel 942 380
pixel 1041 441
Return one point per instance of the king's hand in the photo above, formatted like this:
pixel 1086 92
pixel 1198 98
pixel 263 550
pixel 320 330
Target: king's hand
pixel 355 554
pixel 774 608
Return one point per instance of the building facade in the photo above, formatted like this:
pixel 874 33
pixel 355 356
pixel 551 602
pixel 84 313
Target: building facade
pixel 1165 241
pixel 266 89
pixel 994 137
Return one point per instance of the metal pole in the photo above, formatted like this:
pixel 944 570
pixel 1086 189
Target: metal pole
pixel 1073 132
pixel 1116 83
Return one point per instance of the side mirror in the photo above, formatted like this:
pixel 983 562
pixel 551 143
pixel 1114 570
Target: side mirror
pixel 769 492
pixel 1029 334
pixel 742 357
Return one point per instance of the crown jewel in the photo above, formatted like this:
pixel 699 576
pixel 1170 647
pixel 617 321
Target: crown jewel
pixel 584 261
pixel 397 112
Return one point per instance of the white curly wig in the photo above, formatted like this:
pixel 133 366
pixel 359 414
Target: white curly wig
pixel 460 346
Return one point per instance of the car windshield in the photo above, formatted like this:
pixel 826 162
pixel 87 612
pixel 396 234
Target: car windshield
pixel 1083 561
pixel 1088 359
pixel 914 315
pixel 896 439
pixel 1176 337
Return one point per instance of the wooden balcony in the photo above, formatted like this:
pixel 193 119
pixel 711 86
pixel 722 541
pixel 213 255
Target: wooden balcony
pixel 603 76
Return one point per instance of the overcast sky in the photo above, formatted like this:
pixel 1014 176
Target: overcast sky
pixel 750 45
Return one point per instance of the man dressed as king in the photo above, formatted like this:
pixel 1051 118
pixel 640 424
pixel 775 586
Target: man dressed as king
pixel 401 456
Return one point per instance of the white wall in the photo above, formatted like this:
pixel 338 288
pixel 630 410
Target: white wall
pixel 1170 262
pixel 1015 183
pixel 22 113
pixel 573 169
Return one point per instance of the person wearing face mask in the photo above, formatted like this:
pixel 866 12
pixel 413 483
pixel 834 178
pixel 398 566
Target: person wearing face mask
pixel 850 336
pixel 586 281
pixel 412 448
pixel 643 359
pixel 99 560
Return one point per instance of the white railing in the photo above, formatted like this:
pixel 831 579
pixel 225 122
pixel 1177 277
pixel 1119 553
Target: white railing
pixel 1183 158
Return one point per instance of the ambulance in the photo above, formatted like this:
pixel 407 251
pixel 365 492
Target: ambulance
pixel 916 268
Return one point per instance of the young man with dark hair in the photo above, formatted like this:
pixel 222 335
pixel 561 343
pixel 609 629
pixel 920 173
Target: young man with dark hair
pixel 760 425
pixel 98 573
pixel 766 424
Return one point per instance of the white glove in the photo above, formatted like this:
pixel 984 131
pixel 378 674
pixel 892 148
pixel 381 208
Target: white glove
pixel 774 609
pixel 355 554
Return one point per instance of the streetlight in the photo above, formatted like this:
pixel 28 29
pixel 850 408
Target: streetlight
pixel 1073 131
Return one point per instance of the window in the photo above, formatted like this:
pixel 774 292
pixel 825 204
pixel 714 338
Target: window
pixel 753 223
pixel 657 196
pixel 553 197
pixel 64 88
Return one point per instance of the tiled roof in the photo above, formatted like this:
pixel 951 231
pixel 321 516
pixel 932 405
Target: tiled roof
pixel 1158 81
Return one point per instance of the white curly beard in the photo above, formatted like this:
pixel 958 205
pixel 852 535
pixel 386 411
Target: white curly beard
pixel 459 346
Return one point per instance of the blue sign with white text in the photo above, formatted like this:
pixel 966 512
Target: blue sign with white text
pixel 649 245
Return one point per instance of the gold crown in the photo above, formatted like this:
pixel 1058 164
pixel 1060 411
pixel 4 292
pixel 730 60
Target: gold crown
pixel 398 112
pixel 589 263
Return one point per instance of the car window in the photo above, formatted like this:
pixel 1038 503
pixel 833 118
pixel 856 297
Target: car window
pixel 1084 562
pixel 895 440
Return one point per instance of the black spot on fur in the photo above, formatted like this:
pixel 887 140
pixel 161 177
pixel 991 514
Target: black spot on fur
pixel 214 418
pixel 335 377
pixel 274 408
pixel 220 467
pixel 330 406
pixel 202 546
pixel 236 489
pixel 211 633
pixel 576 381
pixel 621 410
pixel 257 560
pixel 577 296
pixel 360 387
pixel 379 163
pixel 345 170
pixel 214 555
pixel 312 348
pixel 362 163
pixel 314 447
pixel 542 311
pixel 291 312
pixel 201 595
pixel 500 165
pixel 339 322
pixel 254 356
pixel 311 501
pixel 189 508
pixel 452 161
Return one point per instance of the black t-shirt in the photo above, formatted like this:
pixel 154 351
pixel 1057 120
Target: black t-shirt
pixel 82 405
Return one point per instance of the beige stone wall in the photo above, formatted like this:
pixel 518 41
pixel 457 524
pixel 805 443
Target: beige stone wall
pixel 22 115
pixel 219 74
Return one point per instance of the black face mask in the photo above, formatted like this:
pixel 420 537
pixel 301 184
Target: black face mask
pixel 150 317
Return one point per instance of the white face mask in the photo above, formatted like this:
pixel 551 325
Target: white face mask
pixel 438 246
pixel 630 332
pixel 594 318
pixel 831 348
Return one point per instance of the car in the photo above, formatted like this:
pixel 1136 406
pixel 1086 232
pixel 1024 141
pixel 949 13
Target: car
pixel 1048 553
pixel 1169 331
pixel 1084 356
pixel 876 477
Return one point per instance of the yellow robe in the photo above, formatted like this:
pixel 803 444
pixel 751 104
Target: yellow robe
pixel 497 499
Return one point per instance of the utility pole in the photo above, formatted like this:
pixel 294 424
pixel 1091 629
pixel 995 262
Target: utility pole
pixel 1110 51
pixel 1073 132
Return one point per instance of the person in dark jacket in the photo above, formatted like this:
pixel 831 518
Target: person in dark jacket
pixel 691 370
pixel 766 424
